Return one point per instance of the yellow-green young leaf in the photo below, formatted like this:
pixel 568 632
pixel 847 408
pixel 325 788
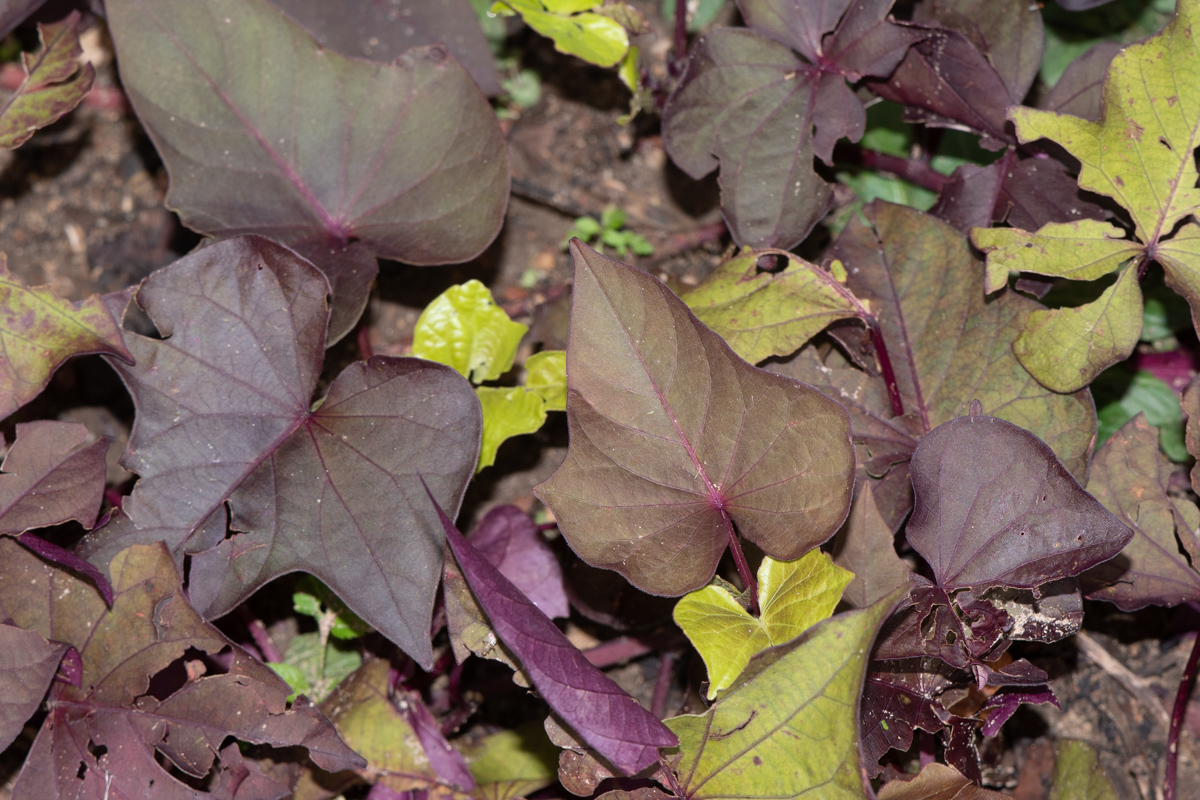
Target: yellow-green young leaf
pixel 1068 347
pixel 792 596
pixel 39 331
pixel 789 727
pixel 54 84
pixel 1078 775
pixel 463 328
pixel 764 314
pixel 593 37
pixel 513 763
pixel 546 374
pixel 1141 154
pixel 507 412
pixel 1083 251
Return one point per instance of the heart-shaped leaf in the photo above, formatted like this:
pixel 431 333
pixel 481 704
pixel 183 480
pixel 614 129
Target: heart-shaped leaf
pixel 316 150
pixel 674 439
pixel 792 596
pixel 227 424
pixel 51 475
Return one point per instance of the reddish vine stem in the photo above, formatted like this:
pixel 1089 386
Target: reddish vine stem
pixel 1177 714
pixel 262 639
pixel 912 170
pixel 680 44
pixel 885 365
pixel 743 566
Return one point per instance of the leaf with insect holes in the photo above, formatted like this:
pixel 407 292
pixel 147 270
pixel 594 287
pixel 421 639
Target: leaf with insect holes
pixel 50 475
pixel 761 103
pixel 39 331
pixel 792 595
pixel 112 727
pixel 227 425
pixel 948 344
pixel 673 437
pixel 789 726
pixel 1141 154
pixel 54 83
pixel 246 109
pixel 763 314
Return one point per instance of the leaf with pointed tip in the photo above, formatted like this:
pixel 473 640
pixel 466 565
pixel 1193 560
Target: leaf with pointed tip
pixel 770 313
pixel 608 720
pixel 937 782
pixel 149 628
pixel 421 174
pixel 27 665
pixel 1130 477
pixel 866 547
pixel 949 345
pixel 792 595
pixel 50 475
pixel 226 424
pixel 789 727
pixel 1079 91
pixel 373 30
pixel 1141 154
pixel 1078 774
pixel 39 331
pixel 674 438
pixel 749 103
pixel 465 329
pixel 54 83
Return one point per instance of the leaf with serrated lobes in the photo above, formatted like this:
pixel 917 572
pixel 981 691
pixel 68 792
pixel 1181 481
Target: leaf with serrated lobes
pixel 226 420
pixel 673 437
pixel 262 130
pixel 105 735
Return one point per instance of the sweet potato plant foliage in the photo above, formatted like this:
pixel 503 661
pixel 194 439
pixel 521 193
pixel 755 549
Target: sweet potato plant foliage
pixel 857 476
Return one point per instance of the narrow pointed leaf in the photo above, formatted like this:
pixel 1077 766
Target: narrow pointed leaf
pixel 54 83
pixel 226 424
pixel 508 538
pixel 608 720
pixel 770 313
pixel 149 627
pixel 39 331
pixel 27 665
pixel 792 595
pixel 1130 477
pixel 790 727
pixel 420 172
pixel 673 436
pixel 51 475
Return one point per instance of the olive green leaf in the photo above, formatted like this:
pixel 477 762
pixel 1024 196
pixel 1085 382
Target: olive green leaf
pixel 465 329
pixel 54 84
pixel 507 412
pixel 789 725
pixel 1141 154
pixel 513 763
pixel 793 596
pixel 546 374
pixel 39 331
pixel 1078 775
pixel 764 314
pixel 593 37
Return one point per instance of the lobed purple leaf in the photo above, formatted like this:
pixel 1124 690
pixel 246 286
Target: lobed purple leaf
pixel 50 475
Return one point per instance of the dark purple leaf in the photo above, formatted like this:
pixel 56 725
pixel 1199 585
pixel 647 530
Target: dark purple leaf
pixel 751 105
pixel 28 664
pixel 240 779
pixel 51 474
pixel 961 752
pixel 310 147
pixel 1131 476
pixel 71 668
pixel 899 697
pixel 948 343
pixel 1079 90
pixel 510 540
pixel 103 735
pixel 673 438
pixel 14 12
pixel 1004 703
pixel 68 560
pixel 447 762
pixel 381 31
pixel 226 425
pixel 607 719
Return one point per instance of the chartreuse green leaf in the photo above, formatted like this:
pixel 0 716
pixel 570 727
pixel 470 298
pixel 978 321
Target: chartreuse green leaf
pixel 513 763
pixel 507 412
pixel 593 37
pixel 54 83
pixel 546 374
pixel 39 331
pixel 789 726
pixel 465 329
pixel 793 596
pixel 764 314
pixel 1141 154
pixel 1078 775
